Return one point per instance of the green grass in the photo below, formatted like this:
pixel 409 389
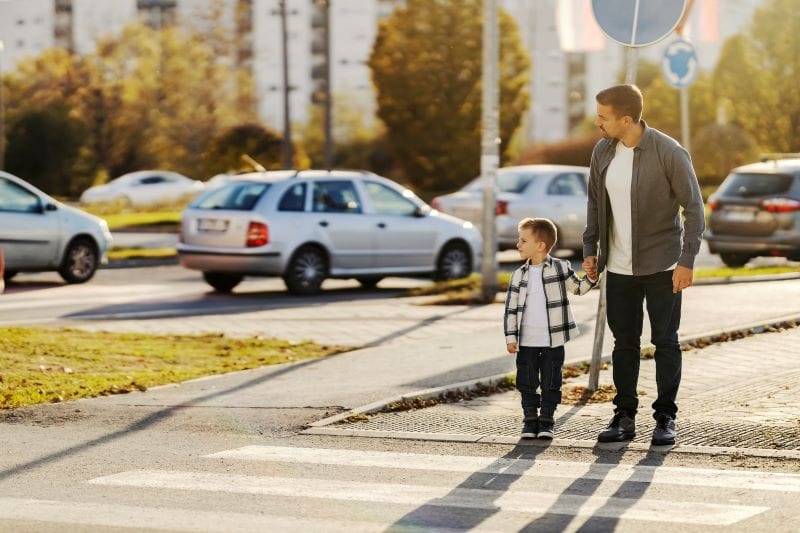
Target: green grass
pixel 128 220
pixel 727 272
pixel 116 254
pixel 39 365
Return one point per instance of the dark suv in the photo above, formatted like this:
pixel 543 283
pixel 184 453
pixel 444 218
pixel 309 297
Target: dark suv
pixel 756 212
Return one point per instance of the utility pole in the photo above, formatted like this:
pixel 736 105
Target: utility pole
pixel 490 146
pixel 326 28
pixel 286 148
pixel 2 113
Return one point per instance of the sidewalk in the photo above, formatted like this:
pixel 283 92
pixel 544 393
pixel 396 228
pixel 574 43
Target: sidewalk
pixel 740 394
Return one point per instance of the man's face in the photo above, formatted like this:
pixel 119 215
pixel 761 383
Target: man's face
pixel 611 126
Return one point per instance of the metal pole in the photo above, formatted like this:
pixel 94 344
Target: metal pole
pixel 2 114
pixel 328 153
pixel 600 321
pixel 286 147
pixel 490 146
pixel 685 136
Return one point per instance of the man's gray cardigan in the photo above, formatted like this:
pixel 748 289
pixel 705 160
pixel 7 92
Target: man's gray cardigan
pixel 663 181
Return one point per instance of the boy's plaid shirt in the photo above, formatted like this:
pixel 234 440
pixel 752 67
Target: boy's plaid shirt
pixel 558 279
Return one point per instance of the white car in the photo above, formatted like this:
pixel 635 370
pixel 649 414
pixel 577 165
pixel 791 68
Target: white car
pixel 40 233
pixel 310 225
pixel 145 187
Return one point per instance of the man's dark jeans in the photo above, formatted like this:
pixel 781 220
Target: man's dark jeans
pixel 625 296
pixel 539 367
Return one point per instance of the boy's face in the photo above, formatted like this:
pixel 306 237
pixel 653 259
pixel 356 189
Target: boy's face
pixel 528 246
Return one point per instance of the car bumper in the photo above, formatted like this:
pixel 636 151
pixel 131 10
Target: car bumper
pixel 753 245
pixel 255 263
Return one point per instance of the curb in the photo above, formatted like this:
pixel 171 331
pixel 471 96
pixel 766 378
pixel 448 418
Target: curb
pixel 320 427
pixel 746 279
pixel 139 263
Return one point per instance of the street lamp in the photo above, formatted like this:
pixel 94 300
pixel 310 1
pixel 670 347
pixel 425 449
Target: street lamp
pixel 2 114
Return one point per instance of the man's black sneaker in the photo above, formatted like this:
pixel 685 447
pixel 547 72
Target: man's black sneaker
pixel 546 428
pixel 530 428
pixel 664 433
pixel 621 428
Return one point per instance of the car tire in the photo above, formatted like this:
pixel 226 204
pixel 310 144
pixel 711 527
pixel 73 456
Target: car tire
pixel 306 271
pixel 222 282
pixel 80 261
pixel 369 282
pixel 455 261
pixel 8 274
pixel 734 260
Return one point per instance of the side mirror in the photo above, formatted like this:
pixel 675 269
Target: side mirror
pixel 422 211
pixel 51 207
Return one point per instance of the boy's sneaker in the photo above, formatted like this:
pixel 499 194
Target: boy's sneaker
pixel 530 428
pixel 621 428
pixel 546 430
pixel 664 433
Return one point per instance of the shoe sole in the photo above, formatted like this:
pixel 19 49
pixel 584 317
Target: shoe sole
pixel 663 442
pixel 528 436
pixel 624 438
pixel 545 435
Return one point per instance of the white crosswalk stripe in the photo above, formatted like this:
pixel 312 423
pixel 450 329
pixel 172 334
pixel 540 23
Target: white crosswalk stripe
pixel 322 489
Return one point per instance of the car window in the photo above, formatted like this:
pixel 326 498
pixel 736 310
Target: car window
pixel 513 182
pixel 151 180
pixel 15 198
pixel 388 201
pixel 751 185
pixel 336 196
pixel 567 185
pixel 238 196
pixel 294 199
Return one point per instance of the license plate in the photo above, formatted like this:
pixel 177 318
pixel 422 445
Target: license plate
pixel 740 216
pixel 212 225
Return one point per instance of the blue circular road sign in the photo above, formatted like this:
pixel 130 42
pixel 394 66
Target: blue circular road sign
pixel 679 64
pixel 638 22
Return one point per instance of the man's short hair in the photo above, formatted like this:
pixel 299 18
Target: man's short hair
pixel 543 229
pixel 626 100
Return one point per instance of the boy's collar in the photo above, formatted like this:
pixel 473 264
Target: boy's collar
pixel 547 261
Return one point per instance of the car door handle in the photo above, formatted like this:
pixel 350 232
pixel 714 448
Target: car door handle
pixel 323 223
pixel 381 224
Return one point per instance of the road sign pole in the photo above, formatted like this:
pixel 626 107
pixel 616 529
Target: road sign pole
pixel 686 141
pixel 490 146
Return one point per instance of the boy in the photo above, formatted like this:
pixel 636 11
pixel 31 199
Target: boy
pixel 538 321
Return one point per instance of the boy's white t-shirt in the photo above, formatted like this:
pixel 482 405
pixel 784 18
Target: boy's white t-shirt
pixel 535 330
pixel 618 185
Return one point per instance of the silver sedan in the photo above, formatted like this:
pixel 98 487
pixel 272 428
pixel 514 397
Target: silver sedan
pixel 38 233
pixel 311 225
pixel 557 192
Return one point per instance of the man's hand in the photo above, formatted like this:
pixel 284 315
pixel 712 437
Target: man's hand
pixel 681 278
pixel 511 347
pixel 590 266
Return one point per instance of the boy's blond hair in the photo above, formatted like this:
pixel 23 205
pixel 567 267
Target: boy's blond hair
pixel 543 229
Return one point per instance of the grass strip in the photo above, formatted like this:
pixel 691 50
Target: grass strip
pixel 130 220
pixel 40 365
pixel 117 254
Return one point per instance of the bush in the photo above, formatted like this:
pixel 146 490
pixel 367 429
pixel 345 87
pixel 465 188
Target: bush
pixel 570 151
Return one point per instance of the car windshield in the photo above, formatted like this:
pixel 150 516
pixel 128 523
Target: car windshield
pixel 506 182
pixel 752 185
pixel 238 196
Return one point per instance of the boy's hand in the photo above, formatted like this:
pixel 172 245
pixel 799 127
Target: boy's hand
pixel 590 266
pixel 511 347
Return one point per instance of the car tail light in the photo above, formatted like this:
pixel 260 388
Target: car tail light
pixel 501 208
pixel 257 234
pixel 436 204
pixel 713 205
pixel 780 205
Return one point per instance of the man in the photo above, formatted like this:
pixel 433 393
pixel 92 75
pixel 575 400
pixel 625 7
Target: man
pixel 639 180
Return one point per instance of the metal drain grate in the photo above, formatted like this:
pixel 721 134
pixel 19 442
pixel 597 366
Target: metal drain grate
pixel 697 433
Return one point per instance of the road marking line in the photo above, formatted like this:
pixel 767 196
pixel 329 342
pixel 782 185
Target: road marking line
pixel 512 500
pixel 696 477
pixel 129 516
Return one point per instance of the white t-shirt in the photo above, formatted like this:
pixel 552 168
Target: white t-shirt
pixel 535 330
pixel 618 185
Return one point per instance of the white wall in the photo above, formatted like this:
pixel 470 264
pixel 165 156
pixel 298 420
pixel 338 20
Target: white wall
pixel 26 29
pixel 93 20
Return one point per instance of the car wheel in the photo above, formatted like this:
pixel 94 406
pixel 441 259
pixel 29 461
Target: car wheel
pixel 369 282
pixel 222 282
pixel 306 271
pixel 8 274
pixel 455 261
pixel 734 260
pixel 80 261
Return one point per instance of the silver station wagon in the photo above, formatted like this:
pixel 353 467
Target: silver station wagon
pixel 39 233
pixel 309 225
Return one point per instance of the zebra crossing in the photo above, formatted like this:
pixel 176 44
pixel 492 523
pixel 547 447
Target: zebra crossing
pixel 327 489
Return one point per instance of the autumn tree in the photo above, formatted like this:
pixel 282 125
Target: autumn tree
pixel 426 66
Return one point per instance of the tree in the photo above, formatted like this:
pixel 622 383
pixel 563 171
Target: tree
pixel 662 105
pixel 426 66
pixel 757 74
pixel 249 139
pixel 718 148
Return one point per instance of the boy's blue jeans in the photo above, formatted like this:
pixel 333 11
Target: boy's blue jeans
pixel 539 367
